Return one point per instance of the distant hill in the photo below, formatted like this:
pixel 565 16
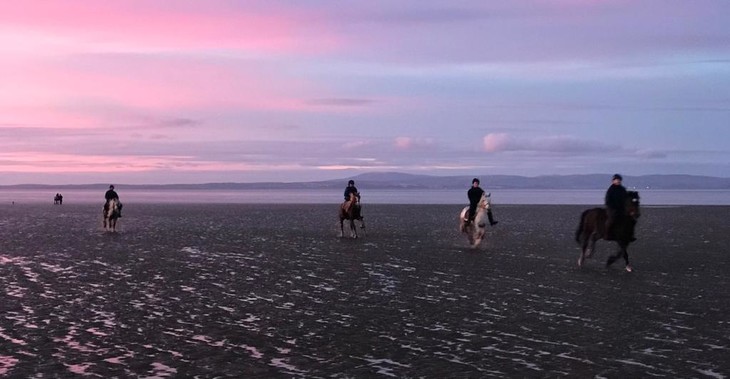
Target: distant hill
pixel 395 180
pixel 591 181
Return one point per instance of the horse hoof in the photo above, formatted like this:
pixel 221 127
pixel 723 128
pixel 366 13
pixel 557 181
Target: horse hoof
pixel 629 269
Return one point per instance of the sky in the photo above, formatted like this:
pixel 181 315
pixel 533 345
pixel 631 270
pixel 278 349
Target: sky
pixel 146 92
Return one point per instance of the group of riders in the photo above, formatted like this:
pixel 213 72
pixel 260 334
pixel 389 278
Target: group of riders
pixel 614 201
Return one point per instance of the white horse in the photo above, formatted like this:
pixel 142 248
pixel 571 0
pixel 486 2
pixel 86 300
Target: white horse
pixel 476 230
pixel 111 214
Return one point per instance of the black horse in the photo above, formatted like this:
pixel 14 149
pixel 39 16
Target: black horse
pixel 592 227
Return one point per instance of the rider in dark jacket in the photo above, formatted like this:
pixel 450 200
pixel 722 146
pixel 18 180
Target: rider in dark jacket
pixel 615 205
pixel 475 194
pixel 351 189
pixel 111 194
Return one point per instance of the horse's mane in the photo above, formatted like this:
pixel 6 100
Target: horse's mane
pixel 486 200
pixel 632 197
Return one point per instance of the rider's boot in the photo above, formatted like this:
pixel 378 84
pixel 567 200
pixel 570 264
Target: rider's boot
pixel 491 218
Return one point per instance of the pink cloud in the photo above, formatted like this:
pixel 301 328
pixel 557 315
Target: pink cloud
pixel 495 142
pixel 135 82
pixel 43 162
pixel 502 142
pixel 173 25
pixel 409 143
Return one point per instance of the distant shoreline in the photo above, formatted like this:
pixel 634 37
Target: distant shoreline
pixel 500 197
pixel 401 181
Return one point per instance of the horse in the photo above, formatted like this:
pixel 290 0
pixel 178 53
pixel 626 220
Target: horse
pixel 350 210
pixel 476 229
pixel 592 227
pixel 111 214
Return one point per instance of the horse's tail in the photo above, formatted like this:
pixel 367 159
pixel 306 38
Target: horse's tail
pixel 581 225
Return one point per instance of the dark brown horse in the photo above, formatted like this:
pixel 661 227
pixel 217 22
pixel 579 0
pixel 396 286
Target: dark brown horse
pixel 592 227
pixel 350 210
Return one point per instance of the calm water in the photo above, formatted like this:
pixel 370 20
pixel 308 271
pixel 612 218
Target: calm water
pixel 588 197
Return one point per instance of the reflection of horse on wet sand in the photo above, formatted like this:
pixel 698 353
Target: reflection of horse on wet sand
pixel 111 214
pixel 476 230
pixel 593 227
pixel 351 210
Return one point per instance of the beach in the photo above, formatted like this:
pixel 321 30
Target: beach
pixel 272 291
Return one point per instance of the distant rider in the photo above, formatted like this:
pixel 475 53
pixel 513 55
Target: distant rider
pixel 109 195
pixel 350 189
pixel 475 195
pixel 615 205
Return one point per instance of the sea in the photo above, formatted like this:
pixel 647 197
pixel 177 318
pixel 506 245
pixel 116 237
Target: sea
pixel 650 197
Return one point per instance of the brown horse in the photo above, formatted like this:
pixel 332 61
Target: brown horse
pixel 592 227
pixel 350 210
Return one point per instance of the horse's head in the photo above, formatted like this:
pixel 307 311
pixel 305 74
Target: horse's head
pixel 632 204
pixel 486 200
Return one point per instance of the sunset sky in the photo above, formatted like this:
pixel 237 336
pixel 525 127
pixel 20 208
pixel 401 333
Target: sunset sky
pixel 142 92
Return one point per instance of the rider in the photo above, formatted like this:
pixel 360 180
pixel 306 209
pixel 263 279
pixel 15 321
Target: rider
pixel 111 194
pixel 615 203
pixel 351 189
pixel 475 195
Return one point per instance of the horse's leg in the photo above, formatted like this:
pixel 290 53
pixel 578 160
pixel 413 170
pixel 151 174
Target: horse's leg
pixel 593 238
pixel 583 246
pixel 362 224
pixel 626 259
pixel 469 230
pixel 342 228
pixel 614 257
pixel 475 238
pixel 353 229
pixel 584 239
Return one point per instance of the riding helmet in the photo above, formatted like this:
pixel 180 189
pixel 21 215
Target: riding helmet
pixel 617 176
pixel 351 182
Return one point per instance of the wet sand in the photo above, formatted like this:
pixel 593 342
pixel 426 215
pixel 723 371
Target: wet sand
pixel 262 291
